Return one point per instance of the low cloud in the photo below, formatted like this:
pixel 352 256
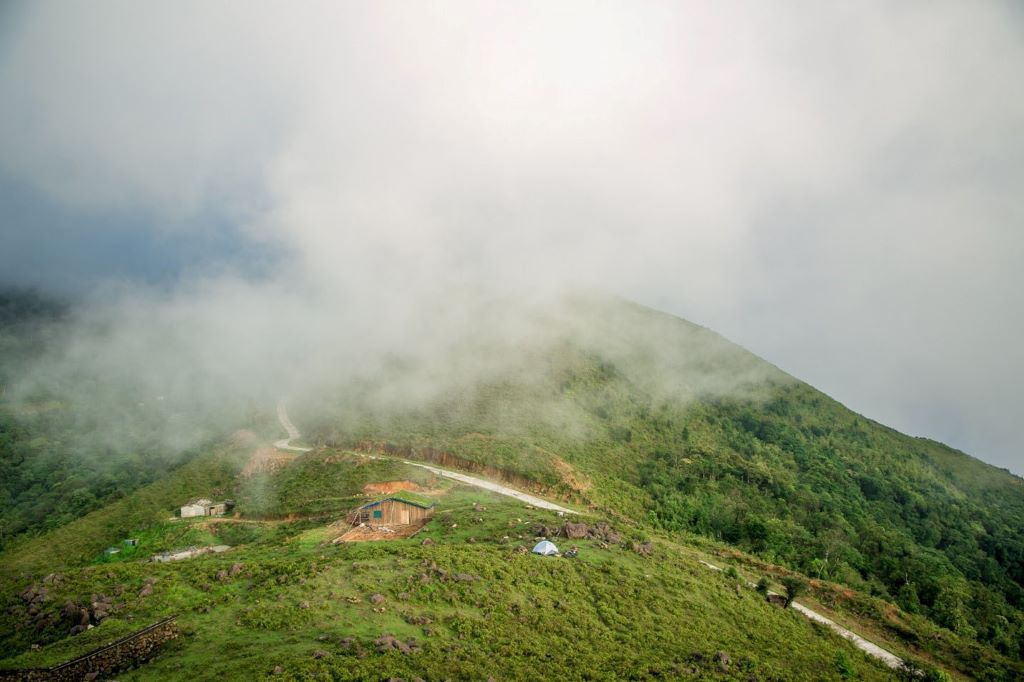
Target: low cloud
pixel 833 188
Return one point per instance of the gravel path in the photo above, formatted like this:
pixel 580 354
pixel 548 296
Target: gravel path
pixel 293 433
pixel 870 648
pixel 283 444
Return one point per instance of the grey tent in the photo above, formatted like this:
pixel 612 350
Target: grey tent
pixel 545 547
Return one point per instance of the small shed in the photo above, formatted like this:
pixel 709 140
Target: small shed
pixel 395 510
pixel 195 508
pixel 205 507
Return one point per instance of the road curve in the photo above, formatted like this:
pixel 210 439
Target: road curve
pixel 478 483
pixel 293 433
pixel 284 444
pixel 870 648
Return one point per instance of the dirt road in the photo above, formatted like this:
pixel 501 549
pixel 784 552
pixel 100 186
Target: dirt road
pixel 870 648
pixel 293 433
pixel 283 444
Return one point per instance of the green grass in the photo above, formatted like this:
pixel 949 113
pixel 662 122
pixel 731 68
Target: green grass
pixel 609 614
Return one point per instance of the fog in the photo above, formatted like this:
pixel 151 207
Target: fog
pixel 834 188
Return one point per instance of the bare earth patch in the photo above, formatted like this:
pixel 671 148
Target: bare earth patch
pixel 388 487
pixel 370 533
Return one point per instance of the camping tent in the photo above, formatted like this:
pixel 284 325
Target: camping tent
pixel 545 547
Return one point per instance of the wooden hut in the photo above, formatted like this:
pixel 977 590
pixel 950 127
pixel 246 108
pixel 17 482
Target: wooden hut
pixel 397 511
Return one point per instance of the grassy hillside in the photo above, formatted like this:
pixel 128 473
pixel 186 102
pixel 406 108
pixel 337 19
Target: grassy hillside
pixel 468 606
pixel 676 427
pixel 688 446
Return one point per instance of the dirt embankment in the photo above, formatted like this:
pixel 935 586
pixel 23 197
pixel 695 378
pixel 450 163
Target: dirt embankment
pixel 388 487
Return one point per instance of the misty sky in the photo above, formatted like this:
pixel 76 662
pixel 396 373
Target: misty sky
pixel 838 187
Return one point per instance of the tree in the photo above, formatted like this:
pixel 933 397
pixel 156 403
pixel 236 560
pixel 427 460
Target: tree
pixel 794 588
pixel 762 585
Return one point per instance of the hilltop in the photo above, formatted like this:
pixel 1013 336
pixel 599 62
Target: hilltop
pixel 689 448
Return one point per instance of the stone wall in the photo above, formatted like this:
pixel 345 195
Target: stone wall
pixel 123 654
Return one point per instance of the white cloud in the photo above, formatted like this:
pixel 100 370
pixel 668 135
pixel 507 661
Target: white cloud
pixel 834 187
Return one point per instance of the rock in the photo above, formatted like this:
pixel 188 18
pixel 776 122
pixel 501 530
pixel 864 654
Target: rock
pixel 427 542
pixel 424 578
pixel 404 596
pixel 722 659
pixel 575 531
pixel 643 548
pixel 146 590
pixel 466 577
pixel 89 677
pixel 388 642
pixel 303 604
pixel 278 670
pixel 222 574
pixel 471 540
pixel 235 570
pixel 521 549
pixel 319 653
pixel 377 598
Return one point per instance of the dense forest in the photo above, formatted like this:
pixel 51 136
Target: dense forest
pixel 51 472
pixel 798 482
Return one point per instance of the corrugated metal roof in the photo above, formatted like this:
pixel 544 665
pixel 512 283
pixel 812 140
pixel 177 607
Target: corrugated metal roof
pixel 414 503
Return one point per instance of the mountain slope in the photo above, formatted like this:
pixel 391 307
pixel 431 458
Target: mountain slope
pixel 678 427
pixel 685 444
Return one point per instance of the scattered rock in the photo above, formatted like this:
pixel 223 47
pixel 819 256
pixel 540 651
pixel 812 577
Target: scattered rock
pixel 388 642
pixel 643 548
pixel 575 531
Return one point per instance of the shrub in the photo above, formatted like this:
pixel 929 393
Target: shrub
pixel 794 588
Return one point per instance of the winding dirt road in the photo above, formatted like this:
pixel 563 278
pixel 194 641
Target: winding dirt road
pixel 293 433
pixel 870 648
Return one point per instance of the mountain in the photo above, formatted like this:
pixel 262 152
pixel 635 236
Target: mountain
pixel 682 445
